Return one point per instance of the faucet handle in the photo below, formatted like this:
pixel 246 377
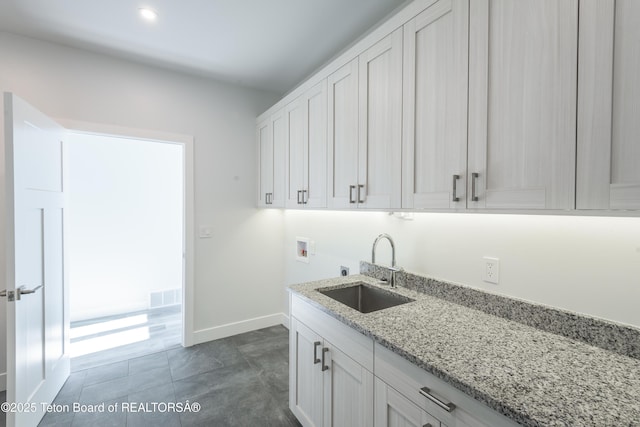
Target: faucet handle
pixel 392 276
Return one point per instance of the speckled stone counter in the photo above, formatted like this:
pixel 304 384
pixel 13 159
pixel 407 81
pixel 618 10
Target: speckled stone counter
pixel 534 377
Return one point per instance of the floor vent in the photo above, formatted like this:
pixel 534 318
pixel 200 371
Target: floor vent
pixel 165 298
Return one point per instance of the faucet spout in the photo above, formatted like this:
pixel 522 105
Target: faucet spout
pixel 393 249
pixel 394 269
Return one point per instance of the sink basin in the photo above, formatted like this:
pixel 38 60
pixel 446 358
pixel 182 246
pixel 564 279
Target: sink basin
pixel 365 298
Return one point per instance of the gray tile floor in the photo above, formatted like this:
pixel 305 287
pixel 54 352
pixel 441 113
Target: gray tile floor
pixel 237 381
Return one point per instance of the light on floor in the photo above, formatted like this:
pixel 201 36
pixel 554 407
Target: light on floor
pixel 106 342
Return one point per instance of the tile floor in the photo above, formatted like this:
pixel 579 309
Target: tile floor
pixel 145 332
pixel 237 381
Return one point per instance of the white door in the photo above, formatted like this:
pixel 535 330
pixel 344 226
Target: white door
pixel 37 322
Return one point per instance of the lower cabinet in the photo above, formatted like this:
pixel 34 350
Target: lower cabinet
pixel 392 409
pixel 329 388
pixel 333 382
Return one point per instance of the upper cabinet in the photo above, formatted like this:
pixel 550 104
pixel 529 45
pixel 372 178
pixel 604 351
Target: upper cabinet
pixel 608 176
pixel 522 104
pixel 435 107
pixel 365 115
pixel 343 137
pixel 271 135
pixel 306 149
pixel 481 105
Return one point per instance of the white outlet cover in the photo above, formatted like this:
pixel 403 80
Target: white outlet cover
pixel 491 270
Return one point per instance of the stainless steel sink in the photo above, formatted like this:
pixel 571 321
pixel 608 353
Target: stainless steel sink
pixel 365 298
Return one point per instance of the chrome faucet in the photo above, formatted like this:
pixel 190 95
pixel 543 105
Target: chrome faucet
pixel 394 269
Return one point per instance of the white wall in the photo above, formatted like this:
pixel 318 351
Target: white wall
pixel 125 222
pixel 77 85
pixel 589 265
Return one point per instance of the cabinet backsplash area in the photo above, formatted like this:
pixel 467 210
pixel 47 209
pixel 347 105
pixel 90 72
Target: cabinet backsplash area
pixel 458 105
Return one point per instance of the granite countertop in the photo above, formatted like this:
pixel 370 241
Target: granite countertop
pixel 533 377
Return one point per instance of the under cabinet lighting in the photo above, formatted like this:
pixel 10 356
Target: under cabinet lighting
pixel 148 14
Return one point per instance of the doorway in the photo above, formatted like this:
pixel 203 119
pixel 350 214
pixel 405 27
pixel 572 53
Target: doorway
pixel 125 246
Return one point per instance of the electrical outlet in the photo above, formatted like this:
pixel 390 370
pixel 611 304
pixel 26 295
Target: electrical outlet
pixel 344 271
pixel 491 270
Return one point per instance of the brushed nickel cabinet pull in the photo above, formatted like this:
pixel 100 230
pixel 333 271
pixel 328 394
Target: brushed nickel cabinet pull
pixel 360 187
pixel 299 193
pixel 315 352
pixel 324 366
pixel 426 392
pixel 305 198
pixel 455 198
pixel 351 188
pixel 474 178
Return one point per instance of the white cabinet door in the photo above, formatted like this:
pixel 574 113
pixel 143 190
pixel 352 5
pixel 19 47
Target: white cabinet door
pixel 315 111
pixel 295 153
pixel 265 162
pixel 435 107
pixel 608 176
pixel 395 410
pixel 271 157
pixel 348 391
pixel 522 104
pixel 380 129
pixel 305 374
pixel 343 136
pixel 306 149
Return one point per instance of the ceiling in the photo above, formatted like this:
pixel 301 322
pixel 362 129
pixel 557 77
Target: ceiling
pixel 265 44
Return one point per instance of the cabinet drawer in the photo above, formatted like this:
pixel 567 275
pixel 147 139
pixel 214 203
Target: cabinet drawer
pixel 349 341
pixel 408 379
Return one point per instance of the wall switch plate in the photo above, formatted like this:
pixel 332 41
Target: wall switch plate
pixel 491 272
pixel 344 271
pixel 205 232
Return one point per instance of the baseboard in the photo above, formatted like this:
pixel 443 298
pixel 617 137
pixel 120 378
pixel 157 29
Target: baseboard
pixel 223 331
pixel 3 381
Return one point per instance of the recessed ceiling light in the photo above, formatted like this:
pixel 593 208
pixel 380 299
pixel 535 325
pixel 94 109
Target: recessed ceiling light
pixel 148 14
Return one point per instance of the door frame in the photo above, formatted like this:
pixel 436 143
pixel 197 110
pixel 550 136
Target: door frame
pixel 188 272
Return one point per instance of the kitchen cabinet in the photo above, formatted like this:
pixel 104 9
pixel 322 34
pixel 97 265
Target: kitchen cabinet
pixel 365 113
pixel 407 395
pixel 327 384
pixel 306 149
pixel 395 410
pixel 608 176
pixel 271 145
pixel 335 373
pixel 522 104
pixel 306 378
pixel 435 76
pixel 343 136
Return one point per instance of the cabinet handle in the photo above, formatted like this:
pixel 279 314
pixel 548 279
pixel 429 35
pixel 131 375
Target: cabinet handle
pixel 351 188
pixel 474 178
pixel 455 198
pixel 315 352
pixel 360 187
pixel 324 351
pixel 446 406
pixel 305 198
pixel 299 193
